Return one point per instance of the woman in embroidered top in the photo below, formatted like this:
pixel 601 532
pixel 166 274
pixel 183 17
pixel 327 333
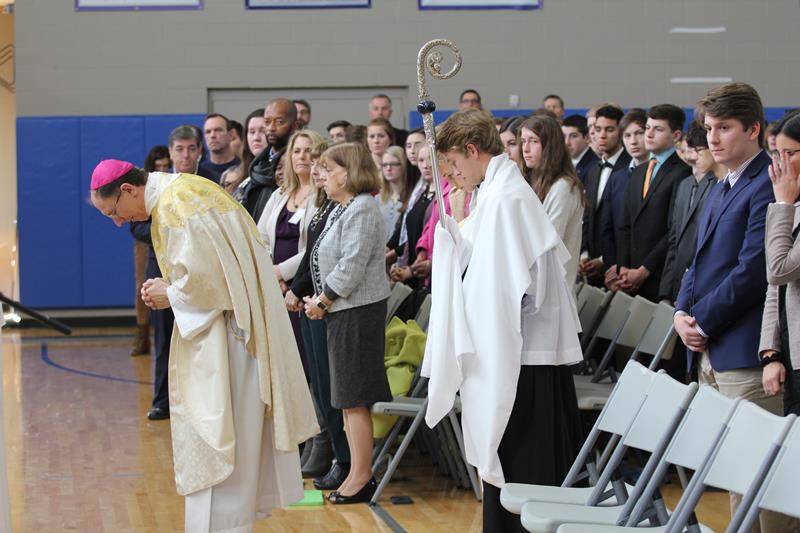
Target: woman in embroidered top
pixel 351 289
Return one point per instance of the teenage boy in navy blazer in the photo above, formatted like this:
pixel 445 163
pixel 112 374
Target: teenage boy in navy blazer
pixel 722 295
pixel 643 238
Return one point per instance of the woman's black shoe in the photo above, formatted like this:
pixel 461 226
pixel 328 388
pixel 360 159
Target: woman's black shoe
pixel 334 478
pixel 362 496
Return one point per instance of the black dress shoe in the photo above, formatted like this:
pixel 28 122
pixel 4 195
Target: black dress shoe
pixel 319 462
pixel 334 478
pixel 362 496
pixel 158 413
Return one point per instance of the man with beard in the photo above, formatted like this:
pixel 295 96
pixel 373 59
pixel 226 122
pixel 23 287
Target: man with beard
pixel 280 120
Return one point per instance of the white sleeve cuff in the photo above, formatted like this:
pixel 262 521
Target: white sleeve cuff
pixel 189 320
pixel 700 330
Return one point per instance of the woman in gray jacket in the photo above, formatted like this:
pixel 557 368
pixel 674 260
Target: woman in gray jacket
pixel 351 289
pixel 780 338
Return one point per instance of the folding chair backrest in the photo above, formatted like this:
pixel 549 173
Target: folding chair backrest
pixel 590 304
pixel 626 399
pixel 701 428
pixel 615 316
pixel 640 311
pixel 780 494
pixel 577 288
pixel 752 435
pixel 424 314
pixel 660 326
pixel 667 401
pixel 400 292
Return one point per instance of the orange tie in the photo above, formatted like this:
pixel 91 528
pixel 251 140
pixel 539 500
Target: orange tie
pixel 649 174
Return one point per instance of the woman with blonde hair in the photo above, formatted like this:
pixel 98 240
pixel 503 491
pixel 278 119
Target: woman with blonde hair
pixel 548 168
pixel 283 225
pixel 350 293
pixel 393 187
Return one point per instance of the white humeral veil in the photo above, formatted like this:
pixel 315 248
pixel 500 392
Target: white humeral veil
pixel 513 307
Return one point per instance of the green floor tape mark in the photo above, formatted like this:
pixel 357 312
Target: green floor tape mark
pixel 310 498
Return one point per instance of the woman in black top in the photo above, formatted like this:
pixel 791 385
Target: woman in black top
pixel 314 334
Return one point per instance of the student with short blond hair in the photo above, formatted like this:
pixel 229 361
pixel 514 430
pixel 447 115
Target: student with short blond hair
pixel 519 409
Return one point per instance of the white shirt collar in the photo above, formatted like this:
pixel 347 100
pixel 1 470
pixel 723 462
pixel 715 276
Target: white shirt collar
pixel 734 175
pixel 613 158
pixel 577 160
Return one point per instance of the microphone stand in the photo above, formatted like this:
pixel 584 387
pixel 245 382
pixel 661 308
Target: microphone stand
pixel 39 317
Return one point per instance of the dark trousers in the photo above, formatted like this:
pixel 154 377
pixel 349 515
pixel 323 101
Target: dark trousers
pixel 315 339
pixel 791 393
pixel 162 322
pixel 541 440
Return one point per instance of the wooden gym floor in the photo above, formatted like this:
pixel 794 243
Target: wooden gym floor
pixel 82 456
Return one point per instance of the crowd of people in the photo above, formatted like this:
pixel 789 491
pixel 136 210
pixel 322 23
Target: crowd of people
pixel 701 215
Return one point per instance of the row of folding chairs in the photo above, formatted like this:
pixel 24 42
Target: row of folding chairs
pixel 729 444
pixel 618 320
pixel 444 442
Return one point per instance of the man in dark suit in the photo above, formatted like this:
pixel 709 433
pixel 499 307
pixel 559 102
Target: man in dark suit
pixel 721 301
pixel 643 240
pixel 690 196
pixel 632 128
pixel 576 138
pixel 614 158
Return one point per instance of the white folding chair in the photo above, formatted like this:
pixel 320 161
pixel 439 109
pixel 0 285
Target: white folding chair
pixel 424 314
pixel 400 291
pixel 739 463
pixel 660 337
pixel 592 304
pixel 449 437
pixel 578 287
pixel 613 320
pixel 743 458
pixel 659 417
pixel 615 419
pixel 623 325
pixel 778 493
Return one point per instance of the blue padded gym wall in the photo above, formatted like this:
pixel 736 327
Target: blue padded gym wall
pixel 70 256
